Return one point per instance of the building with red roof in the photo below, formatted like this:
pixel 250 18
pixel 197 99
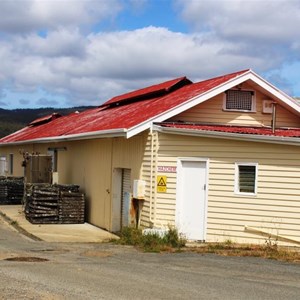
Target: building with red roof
pixel 218 159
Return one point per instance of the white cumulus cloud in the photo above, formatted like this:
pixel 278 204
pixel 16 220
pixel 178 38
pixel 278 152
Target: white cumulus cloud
pixel 53 46
pixel 33 15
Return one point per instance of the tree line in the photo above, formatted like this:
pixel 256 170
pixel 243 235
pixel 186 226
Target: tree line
pixel 15 119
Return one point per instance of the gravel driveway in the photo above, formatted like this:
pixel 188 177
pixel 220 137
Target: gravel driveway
pixel 39 270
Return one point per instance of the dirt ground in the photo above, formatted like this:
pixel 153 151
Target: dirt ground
pixel 39 270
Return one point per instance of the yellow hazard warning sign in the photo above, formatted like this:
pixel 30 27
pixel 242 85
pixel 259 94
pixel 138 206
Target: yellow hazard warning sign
pixel 161 184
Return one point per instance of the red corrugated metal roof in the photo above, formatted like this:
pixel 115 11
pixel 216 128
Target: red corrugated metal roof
pixel 280 132
pixel 125 116
pixel 150 91
pixel 45 119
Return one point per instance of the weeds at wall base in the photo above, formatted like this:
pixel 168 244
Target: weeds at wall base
pixel 173 242
pixel 152 242
pixel 264 251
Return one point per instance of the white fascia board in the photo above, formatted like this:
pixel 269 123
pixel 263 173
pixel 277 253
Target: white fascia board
pixel 228 135
pixel 189 103
pixel 72 137
pixel 274 91
pixel 249 75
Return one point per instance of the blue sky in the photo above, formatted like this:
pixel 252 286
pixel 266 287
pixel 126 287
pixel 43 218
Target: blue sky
pixel 64 53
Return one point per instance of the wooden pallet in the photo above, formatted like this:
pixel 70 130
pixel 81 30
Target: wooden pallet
pixel 54 204
pixel 11 190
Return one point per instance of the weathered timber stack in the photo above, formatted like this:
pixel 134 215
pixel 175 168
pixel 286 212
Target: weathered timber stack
pixel 11 190
pixel 3 192
pixel 71 208
pixel 42 204
pixel 54 204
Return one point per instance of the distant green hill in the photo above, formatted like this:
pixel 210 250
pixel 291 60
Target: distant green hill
pixel 13 120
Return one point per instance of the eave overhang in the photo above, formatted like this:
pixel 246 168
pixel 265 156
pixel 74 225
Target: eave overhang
pixel 72 137
pixel 294 141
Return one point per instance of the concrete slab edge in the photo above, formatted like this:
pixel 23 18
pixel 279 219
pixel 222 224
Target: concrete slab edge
pixel 16 226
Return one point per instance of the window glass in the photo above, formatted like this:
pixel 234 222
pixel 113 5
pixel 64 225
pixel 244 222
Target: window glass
pixel 246 178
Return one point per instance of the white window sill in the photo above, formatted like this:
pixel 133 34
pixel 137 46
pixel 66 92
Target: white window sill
pixel 245 194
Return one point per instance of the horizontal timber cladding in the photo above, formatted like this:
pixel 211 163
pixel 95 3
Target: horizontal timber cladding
pixel 275 208
pixel 211 111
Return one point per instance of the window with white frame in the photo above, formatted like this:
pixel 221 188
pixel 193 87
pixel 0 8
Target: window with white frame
pixel 246 178
pixel 239 100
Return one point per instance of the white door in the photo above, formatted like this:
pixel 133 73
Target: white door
pixel 191 198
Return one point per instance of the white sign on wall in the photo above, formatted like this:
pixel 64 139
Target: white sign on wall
pixel 166 169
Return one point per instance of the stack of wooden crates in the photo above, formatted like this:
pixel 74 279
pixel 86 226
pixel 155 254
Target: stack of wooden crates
pixel 54 204
pixel 11 190
pixel 47 203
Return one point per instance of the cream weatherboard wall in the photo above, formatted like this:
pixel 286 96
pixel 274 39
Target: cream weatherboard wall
pixel 17 158
pixel 211 111
pixel 275 209
pixel 90 164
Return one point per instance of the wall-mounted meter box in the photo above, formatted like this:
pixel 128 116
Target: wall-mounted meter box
pixel 139 187
pixel 267 106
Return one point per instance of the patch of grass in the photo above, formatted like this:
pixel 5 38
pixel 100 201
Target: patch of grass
pixel 151 242
pixel 173 242
pixel 130 236
pixel 265 251
pixel 14 223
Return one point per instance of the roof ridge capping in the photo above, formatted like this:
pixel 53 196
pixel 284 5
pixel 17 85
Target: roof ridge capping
pixel 226 78
pixel 232 75
pixel 149 92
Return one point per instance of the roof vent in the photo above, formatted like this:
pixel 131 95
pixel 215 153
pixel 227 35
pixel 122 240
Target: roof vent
pixel 147 93
pixel 44 120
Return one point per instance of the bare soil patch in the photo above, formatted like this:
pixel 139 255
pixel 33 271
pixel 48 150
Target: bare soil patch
pixel 95 253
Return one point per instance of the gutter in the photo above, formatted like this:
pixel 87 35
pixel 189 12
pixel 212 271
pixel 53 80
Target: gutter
pixel 72 137
pixel 228 135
